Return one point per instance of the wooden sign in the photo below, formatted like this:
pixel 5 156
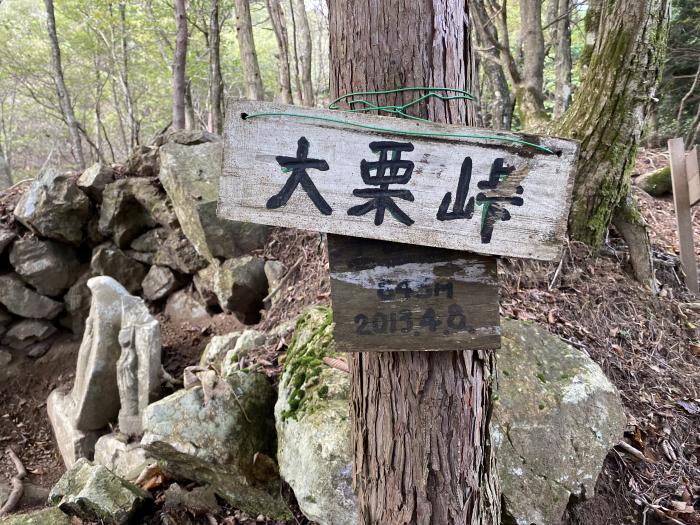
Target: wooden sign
pixel 385 300
pixel 370 177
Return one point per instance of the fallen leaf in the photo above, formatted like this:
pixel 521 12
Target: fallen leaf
pixel 689 407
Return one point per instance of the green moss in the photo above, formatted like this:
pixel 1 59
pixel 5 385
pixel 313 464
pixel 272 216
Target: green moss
pixel 541 377
pixel 313 340
pixel 657 183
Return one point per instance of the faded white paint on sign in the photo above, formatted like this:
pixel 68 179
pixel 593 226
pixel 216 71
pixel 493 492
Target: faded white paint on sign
pixel 301 171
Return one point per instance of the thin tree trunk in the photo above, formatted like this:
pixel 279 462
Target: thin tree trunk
pixel 216 82
pixel 179 65
pixel 608 113
pixel 684 100
pixel 246 45
pixel 295 48
pixel 190 117
pixel 562 60
pixel 5 174
pixel 128 96
pixel 694 130
pixel 62 91
pixel 529 91
pixel 420 419
pixel 279 25
pixel 305 52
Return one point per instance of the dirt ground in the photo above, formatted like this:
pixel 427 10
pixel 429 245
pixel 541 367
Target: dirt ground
pixel 649 346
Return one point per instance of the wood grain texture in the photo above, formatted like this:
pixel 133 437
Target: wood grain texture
pixel 395 297
pixel 251 175
pixel 692 172
pixel 681 201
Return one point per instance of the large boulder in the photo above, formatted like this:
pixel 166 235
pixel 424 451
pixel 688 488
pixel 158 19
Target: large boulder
pixel 94 180
pixel 50 267
pixel 313 423
pixel 178 253
pixel 92 492
pixel 132 206
pixel 190 173
pixel 26 332
pixel 109 260
pixel 126 460
pixel 19 299
pixel 212 433
pixel 184 307
pixel 159 283
pixel 6 238
pixel 54 207
pixel 656 183
pixel 555 419
pixel 77 301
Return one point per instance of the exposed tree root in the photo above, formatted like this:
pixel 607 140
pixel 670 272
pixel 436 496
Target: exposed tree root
pixel 17 484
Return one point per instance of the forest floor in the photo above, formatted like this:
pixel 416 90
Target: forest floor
pixel 648 345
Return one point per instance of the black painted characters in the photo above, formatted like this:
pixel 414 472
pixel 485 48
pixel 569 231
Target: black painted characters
pixel 390 169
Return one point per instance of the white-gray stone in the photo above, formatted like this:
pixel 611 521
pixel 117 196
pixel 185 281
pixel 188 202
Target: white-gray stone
pixel 126 460
pixel 275 272
pixel 73 444
pixel 92 492
pixel 159 283
pixel 217 348
pixel 183 307
pixel 239 284
pixel 26 332
pixel 138 367
pixel 54 207
pixel 19 299
pixel 6 238
pixel 94 179
pixel 50 267
pixel 109 260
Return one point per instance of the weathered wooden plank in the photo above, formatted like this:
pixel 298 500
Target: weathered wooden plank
pixel 385 300
pixel 681 200
pixel 693 175
pixel 517 210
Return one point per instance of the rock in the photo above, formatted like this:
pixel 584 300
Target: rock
pixel 248 340
pixel 51 268
pixel 94 179
pixel 92 492
pixel 211 433
pixel 189 137
pixel 238 284
pixel 190 175
pixel 313 425
pixel 22 301
pixel 80 417
pixel 54 207
pixel 132 206
pixel 159 283
pixel 77 301
pixel 150 241
pixel 6 238
pixel 26 332
pixel 5 317
pixel 126 460
pixel 177 252
pixel 51 516
pixel 657 183
pixel 182 307
pixel 143 162
pixel 138 367
pixel 199 500
pixel 555 419
pixel 274 272
pixel 108 260
pixel 5 358
pixel 217 348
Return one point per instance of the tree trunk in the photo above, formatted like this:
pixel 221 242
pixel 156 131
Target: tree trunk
pixel 295 48
pixel 305 53
pixel 62 91
pixel 128 96
pixel 190 117
pixel 246 45
pixel 562 60
pixel 5 174
pixel 608 113
pixel 529 91
pixel 179 65
pixel 279 25
pixel 216 82
pixel 420 419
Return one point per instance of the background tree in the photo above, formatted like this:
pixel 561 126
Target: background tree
pixel 61 90
pixel 216 81
pixel 249 57
pixel 279 26
pixel 304 51
pixel 421 449
pixel 179 65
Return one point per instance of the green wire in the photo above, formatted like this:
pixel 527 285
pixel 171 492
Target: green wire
pixel 400 111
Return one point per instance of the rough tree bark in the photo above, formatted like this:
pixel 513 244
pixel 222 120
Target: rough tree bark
pixel 279 25
pixel 562 59
pixel 61 90
pixel 608 113
pixel 420 419
pixel 190 117
pixel 295 48
pixel 529 90
pixel 179 65
pixel 305 52
pixel 216 82
pixel 246 45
